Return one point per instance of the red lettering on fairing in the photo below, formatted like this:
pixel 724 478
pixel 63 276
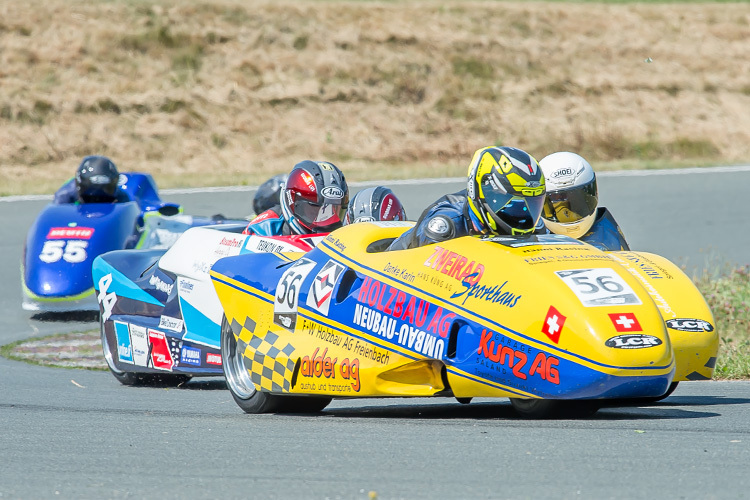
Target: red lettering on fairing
pixel 422 310
pixel 435 321
pixel 448 262
pixel 387 309
pixel 372 297
pixel 543 365
pixel 398 309
pixel 362 297
pixel 456 269
pixel 409 312
pixel 380 298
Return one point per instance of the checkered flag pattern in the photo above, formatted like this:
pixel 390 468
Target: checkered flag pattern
pixel 269 364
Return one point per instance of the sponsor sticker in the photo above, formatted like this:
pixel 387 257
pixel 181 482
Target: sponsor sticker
pixel 321 289
pixel 633 341
pixel 160 284
pixel 161 357
pixel 190 356
pixel 124 345
pixel 70 233
pixel 689 325
pixel 287 293
pixel 213 359
pixel 599 287
pixel 170 323
pixel 553 324
pixel 625 322
pixel 139 341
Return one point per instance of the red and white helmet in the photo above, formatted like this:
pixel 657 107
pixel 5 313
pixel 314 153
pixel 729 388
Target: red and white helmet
pixel 572 197
pixel 375 204
pixel 315 197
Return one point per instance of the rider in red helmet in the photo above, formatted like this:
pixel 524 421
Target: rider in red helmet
pixel 313 200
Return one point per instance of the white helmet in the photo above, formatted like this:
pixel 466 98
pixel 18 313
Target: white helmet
pixel 572 198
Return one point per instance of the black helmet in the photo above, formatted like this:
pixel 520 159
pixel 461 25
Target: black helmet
pixel 505 190
pixel 315 197
pixel 267 195
pixel 96 180
pixel 374 204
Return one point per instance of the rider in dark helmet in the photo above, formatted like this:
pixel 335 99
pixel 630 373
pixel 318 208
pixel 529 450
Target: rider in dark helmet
pixel 95 181
pixel 313 200
pixel 504 196
pixel 374 204
pixel 267 195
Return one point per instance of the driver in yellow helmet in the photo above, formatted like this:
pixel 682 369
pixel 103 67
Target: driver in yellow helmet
pixel 504 196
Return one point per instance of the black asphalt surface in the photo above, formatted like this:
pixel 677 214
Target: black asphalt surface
pixel 80 434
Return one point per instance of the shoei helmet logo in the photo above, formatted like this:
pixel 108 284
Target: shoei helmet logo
pixel 332 192
pixel 690 325
pixel 563 172
pixel 633 341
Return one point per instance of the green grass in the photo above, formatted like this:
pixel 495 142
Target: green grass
pixel 728 296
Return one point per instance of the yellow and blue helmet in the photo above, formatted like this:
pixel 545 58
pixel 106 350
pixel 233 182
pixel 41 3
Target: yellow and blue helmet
pixel 505 190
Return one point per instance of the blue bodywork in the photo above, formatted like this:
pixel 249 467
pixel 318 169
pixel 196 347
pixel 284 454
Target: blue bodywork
pixel 66 237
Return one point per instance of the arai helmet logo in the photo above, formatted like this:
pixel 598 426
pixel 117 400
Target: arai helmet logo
pixel 633 341
pixel 332 192
pixel 689 325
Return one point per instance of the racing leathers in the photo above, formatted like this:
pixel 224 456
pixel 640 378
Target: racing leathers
pixel 605 234
pixel 269 223
pixel 447 218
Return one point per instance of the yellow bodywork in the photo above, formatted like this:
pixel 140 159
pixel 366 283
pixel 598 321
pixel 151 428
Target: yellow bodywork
pixel 502 318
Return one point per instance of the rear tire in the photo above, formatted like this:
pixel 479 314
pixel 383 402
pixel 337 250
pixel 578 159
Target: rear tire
pixel 554 408
pixel 243 389
pixel 134 378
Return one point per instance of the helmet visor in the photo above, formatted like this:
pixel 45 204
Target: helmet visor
pixel 570 205
pixel 519 212
pixel 315 216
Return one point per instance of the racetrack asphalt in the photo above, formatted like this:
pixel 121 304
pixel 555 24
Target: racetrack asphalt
pixel 78 433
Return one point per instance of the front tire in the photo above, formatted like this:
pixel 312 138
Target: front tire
pixel 243 389
pixel 554 408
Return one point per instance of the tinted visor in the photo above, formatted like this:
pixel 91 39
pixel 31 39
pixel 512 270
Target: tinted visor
pixel 572 205
pixel 315 216
pixel 520 212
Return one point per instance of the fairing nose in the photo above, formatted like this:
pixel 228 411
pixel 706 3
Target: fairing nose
pixel 54 281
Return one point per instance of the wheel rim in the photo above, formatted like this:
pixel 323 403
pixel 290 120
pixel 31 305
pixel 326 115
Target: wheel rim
pixel 233 362
pixel 107 351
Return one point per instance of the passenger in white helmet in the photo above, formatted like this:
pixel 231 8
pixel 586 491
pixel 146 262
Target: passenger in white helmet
pixel 571 206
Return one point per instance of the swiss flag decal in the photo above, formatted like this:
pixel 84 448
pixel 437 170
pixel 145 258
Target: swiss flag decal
pixel 625 322
pixel 553 324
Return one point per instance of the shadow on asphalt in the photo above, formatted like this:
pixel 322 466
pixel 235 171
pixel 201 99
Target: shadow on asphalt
pixel 503 411
pixel 213 384
pixel 67 317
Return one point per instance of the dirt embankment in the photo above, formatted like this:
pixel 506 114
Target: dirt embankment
pixel 220 92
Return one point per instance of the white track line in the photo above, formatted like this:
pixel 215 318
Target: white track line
pixel 407 182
